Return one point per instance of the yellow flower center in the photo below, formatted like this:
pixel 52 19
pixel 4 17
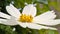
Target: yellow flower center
pixel 25 18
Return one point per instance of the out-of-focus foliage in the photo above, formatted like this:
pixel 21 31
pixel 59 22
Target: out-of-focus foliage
pixel 41 8
pixel 55 4
pixel 48 32
pixel 41 5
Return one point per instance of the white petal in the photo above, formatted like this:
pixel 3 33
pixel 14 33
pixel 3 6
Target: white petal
pixel 49 22
pixel 29 10
pixel 13 11
pixel 33 26
pixel 24 25
pixel 36 26
pixel 2 20
pixel 11 22
pixel 46 16
pixel 45 27
pixel 4 15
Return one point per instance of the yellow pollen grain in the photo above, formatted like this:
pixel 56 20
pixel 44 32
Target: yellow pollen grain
pixel 25 18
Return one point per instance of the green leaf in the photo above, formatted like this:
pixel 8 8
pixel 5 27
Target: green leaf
pixel 52 32
pixel 43 31
pixel 33 31
pixel 6 29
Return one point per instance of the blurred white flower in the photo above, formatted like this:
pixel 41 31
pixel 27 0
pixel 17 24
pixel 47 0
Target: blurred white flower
pixel 28 18
pixel 13 29
pixel 26 3
pixel 12 2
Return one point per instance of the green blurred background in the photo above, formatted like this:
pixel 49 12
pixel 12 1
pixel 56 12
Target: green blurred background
pixel 42 6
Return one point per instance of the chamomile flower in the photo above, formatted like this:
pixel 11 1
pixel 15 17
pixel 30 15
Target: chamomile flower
pixel 28 18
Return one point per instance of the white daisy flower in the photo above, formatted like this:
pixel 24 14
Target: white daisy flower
pixel 28 18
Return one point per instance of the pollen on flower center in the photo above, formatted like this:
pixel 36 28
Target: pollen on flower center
pixel 25 18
